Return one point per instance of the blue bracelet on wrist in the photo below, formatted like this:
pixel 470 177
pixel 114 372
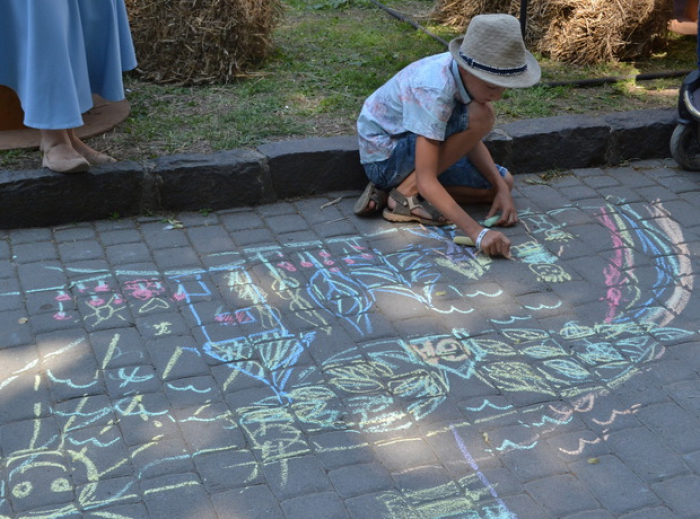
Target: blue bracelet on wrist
pixel 477 243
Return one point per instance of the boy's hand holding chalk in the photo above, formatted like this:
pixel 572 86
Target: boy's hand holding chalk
pixel 490 222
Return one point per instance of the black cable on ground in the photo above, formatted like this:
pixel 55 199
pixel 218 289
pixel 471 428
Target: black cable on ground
pixel 572 83
pixel 615 79
pixel 413 24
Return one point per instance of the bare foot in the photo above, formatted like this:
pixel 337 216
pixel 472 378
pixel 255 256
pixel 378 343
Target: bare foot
pixel 94 157
pixel 62 158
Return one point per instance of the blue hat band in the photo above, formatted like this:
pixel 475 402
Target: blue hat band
pixel 492 70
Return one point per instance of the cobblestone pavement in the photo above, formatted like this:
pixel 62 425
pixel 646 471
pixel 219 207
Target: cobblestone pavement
pixel 295 361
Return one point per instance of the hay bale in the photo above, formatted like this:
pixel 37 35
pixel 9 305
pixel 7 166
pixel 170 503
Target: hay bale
pixel 577 31
pixel 201 41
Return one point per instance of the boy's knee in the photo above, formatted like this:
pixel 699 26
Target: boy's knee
pixel 482 117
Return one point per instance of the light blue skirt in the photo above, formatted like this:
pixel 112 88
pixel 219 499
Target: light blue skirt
pixel 56 53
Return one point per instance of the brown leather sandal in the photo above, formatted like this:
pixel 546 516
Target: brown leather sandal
pixel 403 211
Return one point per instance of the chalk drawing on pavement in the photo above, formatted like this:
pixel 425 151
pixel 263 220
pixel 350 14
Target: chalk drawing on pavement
pixel 254 357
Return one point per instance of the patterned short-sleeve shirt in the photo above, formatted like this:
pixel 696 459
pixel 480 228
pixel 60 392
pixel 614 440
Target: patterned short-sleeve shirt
pixel 419 99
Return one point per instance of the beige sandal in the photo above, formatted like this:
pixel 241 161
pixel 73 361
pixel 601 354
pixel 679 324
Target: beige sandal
pixel 403 210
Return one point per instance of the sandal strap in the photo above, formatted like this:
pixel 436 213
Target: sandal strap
pixel 408 203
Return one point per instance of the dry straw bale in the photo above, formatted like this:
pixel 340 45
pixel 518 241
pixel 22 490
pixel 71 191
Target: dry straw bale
pixel 577 31
pixel 201 41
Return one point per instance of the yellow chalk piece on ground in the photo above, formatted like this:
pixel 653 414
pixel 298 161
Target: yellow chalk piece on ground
pixel 491 221
pixel 464 240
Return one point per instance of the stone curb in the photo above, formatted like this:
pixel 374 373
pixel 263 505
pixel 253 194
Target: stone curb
pixel 293 169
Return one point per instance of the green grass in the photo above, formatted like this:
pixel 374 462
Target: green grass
pixel 329 56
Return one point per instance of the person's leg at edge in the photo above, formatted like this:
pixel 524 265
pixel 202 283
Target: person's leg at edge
pixel 64 152
pixel 59 154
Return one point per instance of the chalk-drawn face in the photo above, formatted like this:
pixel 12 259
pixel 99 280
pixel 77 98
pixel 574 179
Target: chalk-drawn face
pixel 50 469
pixel 549 272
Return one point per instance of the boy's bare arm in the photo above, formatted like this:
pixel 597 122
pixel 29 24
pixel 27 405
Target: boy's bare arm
pixel 503 202
pixel 427 158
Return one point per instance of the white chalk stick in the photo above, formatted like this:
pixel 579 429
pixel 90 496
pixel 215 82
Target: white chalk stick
pixel 464 240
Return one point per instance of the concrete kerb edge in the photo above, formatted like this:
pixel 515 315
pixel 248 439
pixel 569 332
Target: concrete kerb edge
pixel 306 167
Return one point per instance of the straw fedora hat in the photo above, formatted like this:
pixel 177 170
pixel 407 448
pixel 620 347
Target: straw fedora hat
pixel 493 50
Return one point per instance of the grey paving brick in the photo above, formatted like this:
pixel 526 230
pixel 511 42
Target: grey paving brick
pixel 651 513
pixel 248 237
pixel 562 495
pixel 16 330
pixel 686 393
pixel 127 254
pixel 227 469
pixel 315 506
pixel 144 419
pixel 161 458
pixel 675 426
pixel 81 413
pixel 42 276
pixel 111 460
pixel 176 495
pixel 131 380
pixel 118 348
pixel 354 480
pixel 460 447
pixel 80 250
pixel 642 451
pixel 129 510
pixel 405 453
pixel 209 427
pixel 193 391
pixel 50 322
pixel 642 391
pixel 336 449
pixel 535 462
pixel 239 219
pixel 76 378
pixel 117 224
pixel 579 445
pixel 617 488
pixel 177 357
pixel 210 240
pixel 382 505
pixel 579 192
pixel 16 437
pixel 157 236
pixel 592 514
pixel 520 505
pixel 20 390
pixel 18 236
pixel 161 325
pixel 76 232
pixel 4 251
pixel 488 482
pixel 177 257
pixel 119 236
pixel 254 502
pixel 296 476
pixel 34 252
pixel 681 495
